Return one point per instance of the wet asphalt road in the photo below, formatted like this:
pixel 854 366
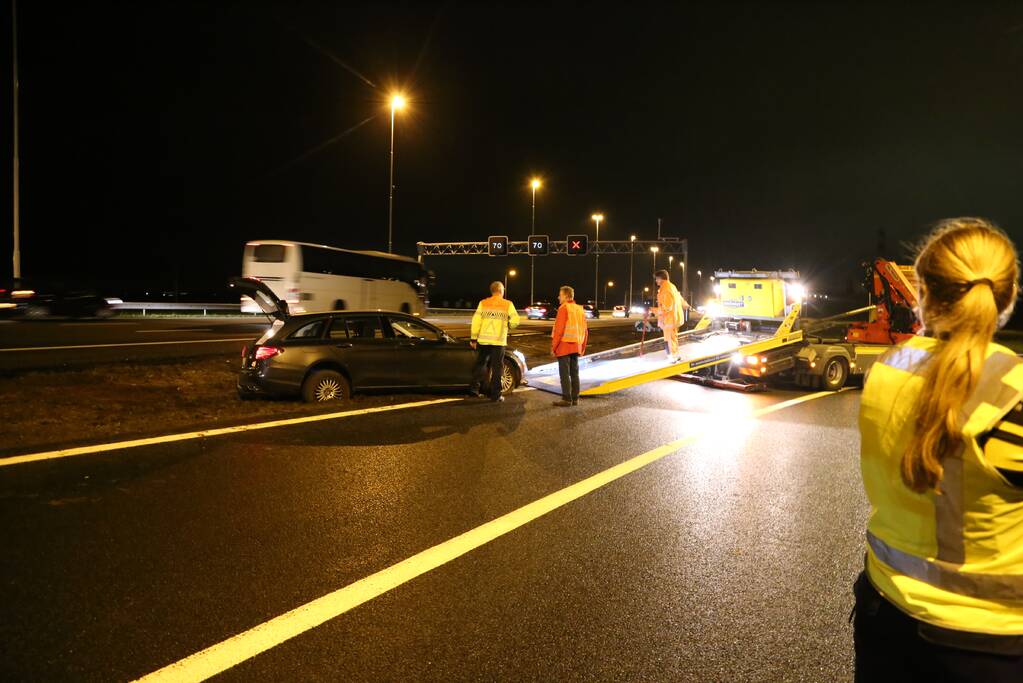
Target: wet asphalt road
pixel 67 343
pixel 729 560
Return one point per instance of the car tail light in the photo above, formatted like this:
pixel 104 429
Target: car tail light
pixel 543 310
pixel 265 352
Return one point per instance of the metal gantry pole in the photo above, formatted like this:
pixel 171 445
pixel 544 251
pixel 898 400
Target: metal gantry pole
pixel 596 270
pixel 17 165
pixel 390 193
pixel 632 253
pixel 532 231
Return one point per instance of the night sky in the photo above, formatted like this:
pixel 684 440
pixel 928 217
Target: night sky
pixel 158 137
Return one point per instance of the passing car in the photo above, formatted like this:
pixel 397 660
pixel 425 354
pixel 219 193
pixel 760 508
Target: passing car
pixel 38 300
pixel 591 310
pixel 542 310
pixel 328 356
pixel 620 312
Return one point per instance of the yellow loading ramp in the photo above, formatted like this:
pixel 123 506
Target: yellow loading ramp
pixel 628 366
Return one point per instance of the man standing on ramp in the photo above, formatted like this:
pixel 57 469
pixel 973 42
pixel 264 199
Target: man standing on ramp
pixel 670 312
pixel 568 342
pixel 490 324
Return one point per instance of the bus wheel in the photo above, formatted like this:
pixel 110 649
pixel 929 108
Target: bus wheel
pixel 836 372
pixel 405 308
pixel 339 305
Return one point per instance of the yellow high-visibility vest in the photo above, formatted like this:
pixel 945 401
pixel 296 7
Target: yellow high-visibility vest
pixel 575 323
pixel 952 558
pixel 492 320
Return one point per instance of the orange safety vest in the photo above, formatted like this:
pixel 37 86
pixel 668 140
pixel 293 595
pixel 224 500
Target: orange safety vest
pixel 669 302
pixel 575 324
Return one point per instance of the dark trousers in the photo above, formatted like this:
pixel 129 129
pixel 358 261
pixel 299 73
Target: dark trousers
pixel 893 646
pixel 492 357
pixel 568 368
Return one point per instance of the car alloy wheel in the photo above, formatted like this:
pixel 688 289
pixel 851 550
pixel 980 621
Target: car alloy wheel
pixel 328 389
pixel 507 378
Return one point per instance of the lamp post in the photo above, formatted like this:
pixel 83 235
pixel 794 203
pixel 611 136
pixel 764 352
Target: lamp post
pixel 610 283
pixel 397 104
pixel 671 260
pixel 510 273
pixel 653 251
pixel 535 184
pixel 699 284
pixel 597 218
pixel 632 252
pixel 16 192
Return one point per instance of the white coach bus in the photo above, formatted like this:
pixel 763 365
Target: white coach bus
pixel 314 278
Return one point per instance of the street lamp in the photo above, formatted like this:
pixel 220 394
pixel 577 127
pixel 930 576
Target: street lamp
pixel 397 104
pixel 671 260
pixel 610 283
pixel 632 252
pixel 653 251
pixel 699 283
pixel 510 273
pixel 596 218
pixel 534 184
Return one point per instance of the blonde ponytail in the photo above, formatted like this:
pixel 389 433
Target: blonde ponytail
pixel 968 270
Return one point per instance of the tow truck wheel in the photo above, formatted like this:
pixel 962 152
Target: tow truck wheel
pixel 836 372
pixel 325 385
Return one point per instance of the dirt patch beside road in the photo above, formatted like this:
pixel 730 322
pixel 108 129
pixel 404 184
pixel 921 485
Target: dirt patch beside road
pixel 110 402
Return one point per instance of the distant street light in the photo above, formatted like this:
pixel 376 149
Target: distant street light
pixel 632 252
pixel 596 218
pixel 397 104
pixel 510 273
pixel 699 283
pixel 535 184
pixel 610 283
pixel 671 259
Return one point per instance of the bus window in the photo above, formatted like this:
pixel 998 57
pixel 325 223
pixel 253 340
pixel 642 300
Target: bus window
pixel 268 253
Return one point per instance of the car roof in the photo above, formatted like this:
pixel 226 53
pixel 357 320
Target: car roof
pixel 375 311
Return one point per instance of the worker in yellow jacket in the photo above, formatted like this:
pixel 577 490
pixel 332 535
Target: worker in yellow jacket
pixel 493 318
pixel 670 312
pixel 941 426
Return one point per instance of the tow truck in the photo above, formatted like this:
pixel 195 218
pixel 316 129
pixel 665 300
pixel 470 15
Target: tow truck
pixel 753 333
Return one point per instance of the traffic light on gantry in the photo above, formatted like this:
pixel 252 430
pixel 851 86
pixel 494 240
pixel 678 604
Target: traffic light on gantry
pixel 576 245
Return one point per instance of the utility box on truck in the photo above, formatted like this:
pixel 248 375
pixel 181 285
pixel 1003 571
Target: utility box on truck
pixel 753 294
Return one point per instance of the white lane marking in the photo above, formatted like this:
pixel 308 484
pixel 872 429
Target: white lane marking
pixel 112 346
pixel 185 436
pixel 247 644
pixel 178 329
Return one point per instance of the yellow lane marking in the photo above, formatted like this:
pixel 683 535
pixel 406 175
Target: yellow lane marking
pixel 112 346
pixel 185 436
pixel 247 644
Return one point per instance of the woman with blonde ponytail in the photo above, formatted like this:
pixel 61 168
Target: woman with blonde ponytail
pixel 941 424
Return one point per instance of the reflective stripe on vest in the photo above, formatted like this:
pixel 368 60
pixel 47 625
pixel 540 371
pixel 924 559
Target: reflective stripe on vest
pixel 964 540
pixel 947 575
pixel 575 324
pixel 494 324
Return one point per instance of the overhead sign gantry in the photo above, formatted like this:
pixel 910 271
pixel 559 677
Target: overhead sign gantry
pixel 575 245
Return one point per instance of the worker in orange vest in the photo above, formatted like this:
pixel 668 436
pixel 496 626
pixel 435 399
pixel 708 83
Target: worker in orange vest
pixel 670 312
pixel 568 342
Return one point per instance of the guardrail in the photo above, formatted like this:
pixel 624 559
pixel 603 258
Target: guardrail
pixel 173 306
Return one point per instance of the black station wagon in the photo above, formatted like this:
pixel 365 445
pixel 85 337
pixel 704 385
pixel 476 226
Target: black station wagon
pixel 327 356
